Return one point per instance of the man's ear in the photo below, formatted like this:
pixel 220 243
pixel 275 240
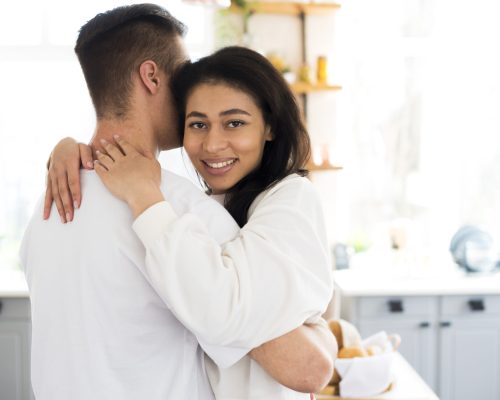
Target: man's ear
pixel 150 76
pixel 268 135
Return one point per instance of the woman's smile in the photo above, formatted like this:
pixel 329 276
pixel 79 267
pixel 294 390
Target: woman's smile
pixel 219 166
pixel 224 134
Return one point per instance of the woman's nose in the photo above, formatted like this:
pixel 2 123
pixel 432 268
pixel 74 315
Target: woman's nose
pixel 215 141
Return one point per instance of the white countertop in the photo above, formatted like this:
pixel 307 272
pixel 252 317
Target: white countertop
pixel 373 283
pixel 348 282
pixel 13 284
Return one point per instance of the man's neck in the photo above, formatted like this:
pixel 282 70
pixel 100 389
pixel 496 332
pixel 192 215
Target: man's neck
pixel 139 136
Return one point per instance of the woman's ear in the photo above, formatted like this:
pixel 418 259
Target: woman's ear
pixel 268 135
pixel 150 76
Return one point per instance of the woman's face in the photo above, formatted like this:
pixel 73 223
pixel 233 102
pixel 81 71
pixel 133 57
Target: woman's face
pixel 224 134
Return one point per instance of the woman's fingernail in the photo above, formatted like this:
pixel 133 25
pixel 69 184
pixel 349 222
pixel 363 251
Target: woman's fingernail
pixel 75 204
pixel 90 164
pixel 103 141
pixel 68 217
pixel 97 152
pixel 63 220
pixel 116 136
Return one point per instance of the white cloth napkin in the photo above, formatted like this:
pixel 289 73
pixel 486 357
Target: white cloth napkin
pixel 367 376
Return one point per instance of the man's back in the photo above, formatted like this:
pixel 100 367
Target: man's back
pixel 99 329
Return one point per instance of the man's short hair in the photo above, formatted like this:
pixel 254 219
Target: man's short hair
pixel 112 45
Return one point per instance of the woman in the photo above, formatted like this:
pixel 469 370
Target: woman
pixel 242 130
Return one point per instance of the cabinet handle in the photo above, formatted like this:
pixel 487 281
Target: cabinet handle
pixel 424 324
pixel 476 305
pixel 445 324
pixel 395 306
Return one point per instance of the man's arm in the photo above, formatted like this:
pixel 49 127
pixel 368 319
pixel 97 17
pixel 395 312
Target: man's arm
pixel 302 359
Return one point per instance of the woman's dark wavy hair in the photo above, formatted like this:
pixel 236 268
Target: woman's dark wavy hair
pixel 246 70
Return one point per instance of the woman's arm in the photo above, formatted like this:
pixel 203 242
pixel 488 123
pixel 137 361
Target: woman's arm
pixel 63 177
pixel 270 279
pixel 302 359
pixel 273 276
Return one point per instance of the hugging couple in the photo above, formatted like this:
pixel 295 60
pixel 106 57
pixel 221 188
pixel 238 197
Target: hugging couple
pixel 149 288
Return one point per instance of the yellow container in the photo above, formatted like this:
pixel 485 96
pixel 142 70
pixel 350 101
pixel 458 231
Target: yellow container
pixel 305 74
pixel 321 70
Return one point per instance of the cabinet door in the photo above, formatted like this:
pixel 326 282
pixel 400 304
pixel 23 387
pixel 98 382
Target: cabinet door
pixel 14 360
pixel 418 342
pixel 470 359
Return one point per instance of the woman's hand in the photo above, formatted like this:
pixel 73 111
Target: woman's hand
pixel 129 175
pixel 63 178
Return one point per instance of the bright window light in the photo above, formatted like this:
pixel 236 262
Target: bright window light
pixel 418 118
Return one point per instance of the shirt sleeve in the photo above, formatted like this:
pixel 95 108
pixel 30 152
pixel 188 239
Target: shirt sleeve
pixel 268 280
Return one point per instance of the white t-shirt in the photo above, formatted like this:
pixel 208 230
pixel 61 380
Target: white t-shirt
pixel 99 329
pixel 275 275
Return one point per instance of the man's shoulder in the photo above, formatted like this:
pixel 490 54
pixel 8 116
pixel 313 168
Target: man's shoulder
pixel 181 193
pixel 171 183
pixel 100 217
pixel 98 200
pixel 98 206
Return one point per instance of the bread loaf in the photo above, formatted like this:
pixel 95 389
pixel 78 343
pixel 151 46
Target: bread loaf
pixel 351 352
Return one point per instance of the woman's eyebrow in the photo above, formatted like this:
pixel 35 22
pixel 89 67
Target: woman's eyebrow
pixel 234 111
pixel 196 114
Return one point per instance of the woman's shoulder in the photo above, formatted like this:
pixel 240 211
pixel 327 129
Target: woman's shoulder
pixel 293 183
pixel 293 190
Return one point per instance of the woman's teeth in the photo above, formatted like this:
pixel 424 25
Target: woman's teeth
pixel 220 164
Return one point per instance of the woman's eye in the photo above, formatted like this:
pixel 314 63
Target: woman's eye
pixel 235 124
pixel 197 125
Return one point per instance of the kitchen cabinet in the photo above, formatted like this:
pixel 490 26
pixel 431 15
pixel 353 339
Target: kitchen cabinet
pixel 452 341
pixel 15 332
pixel 469 338
pixel 413 318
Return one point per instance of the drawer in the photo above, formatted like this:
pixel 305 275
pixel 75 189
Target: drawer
pixel 14 308
pixel 470 305
pixel 395 306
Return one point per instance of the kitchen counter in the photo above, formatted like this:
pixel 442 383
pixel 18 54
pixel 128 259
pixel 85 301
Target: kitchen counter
pixel 13 284
pixel 367 283
pixel 407 385
pixel 445 320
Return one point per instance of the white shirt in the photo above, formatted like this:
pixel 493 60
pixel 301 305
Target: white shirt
pixel 274 276
pixel 99 330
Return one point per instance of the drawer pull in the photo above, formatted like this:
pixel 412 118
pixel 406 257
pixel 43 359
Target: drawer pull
pixel 396 306
pixel 445 324
pixel 424 324
pixel 476 305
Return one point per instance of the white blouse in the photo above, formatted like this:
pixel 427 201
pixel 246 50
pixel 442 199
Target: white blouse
pixel 271 277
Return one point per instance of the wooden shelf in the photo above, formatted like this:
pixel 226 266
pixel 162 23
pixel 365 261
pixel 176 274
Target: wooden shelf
pixel 286 8
pixel 323 167
pixel 301 87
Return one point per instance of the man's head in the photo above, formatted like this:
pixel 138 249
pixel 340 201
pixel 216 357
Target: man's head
pixel 117 46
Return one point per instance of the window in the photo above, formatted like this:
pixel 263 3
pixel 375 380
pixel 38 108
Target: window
pixel 44 97
pixel 418 120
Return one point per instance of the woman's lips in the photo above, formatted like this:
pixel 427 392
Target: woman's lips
pixel 219 166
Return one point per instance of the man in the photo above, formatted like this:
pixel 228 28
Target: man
pixel 100 331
